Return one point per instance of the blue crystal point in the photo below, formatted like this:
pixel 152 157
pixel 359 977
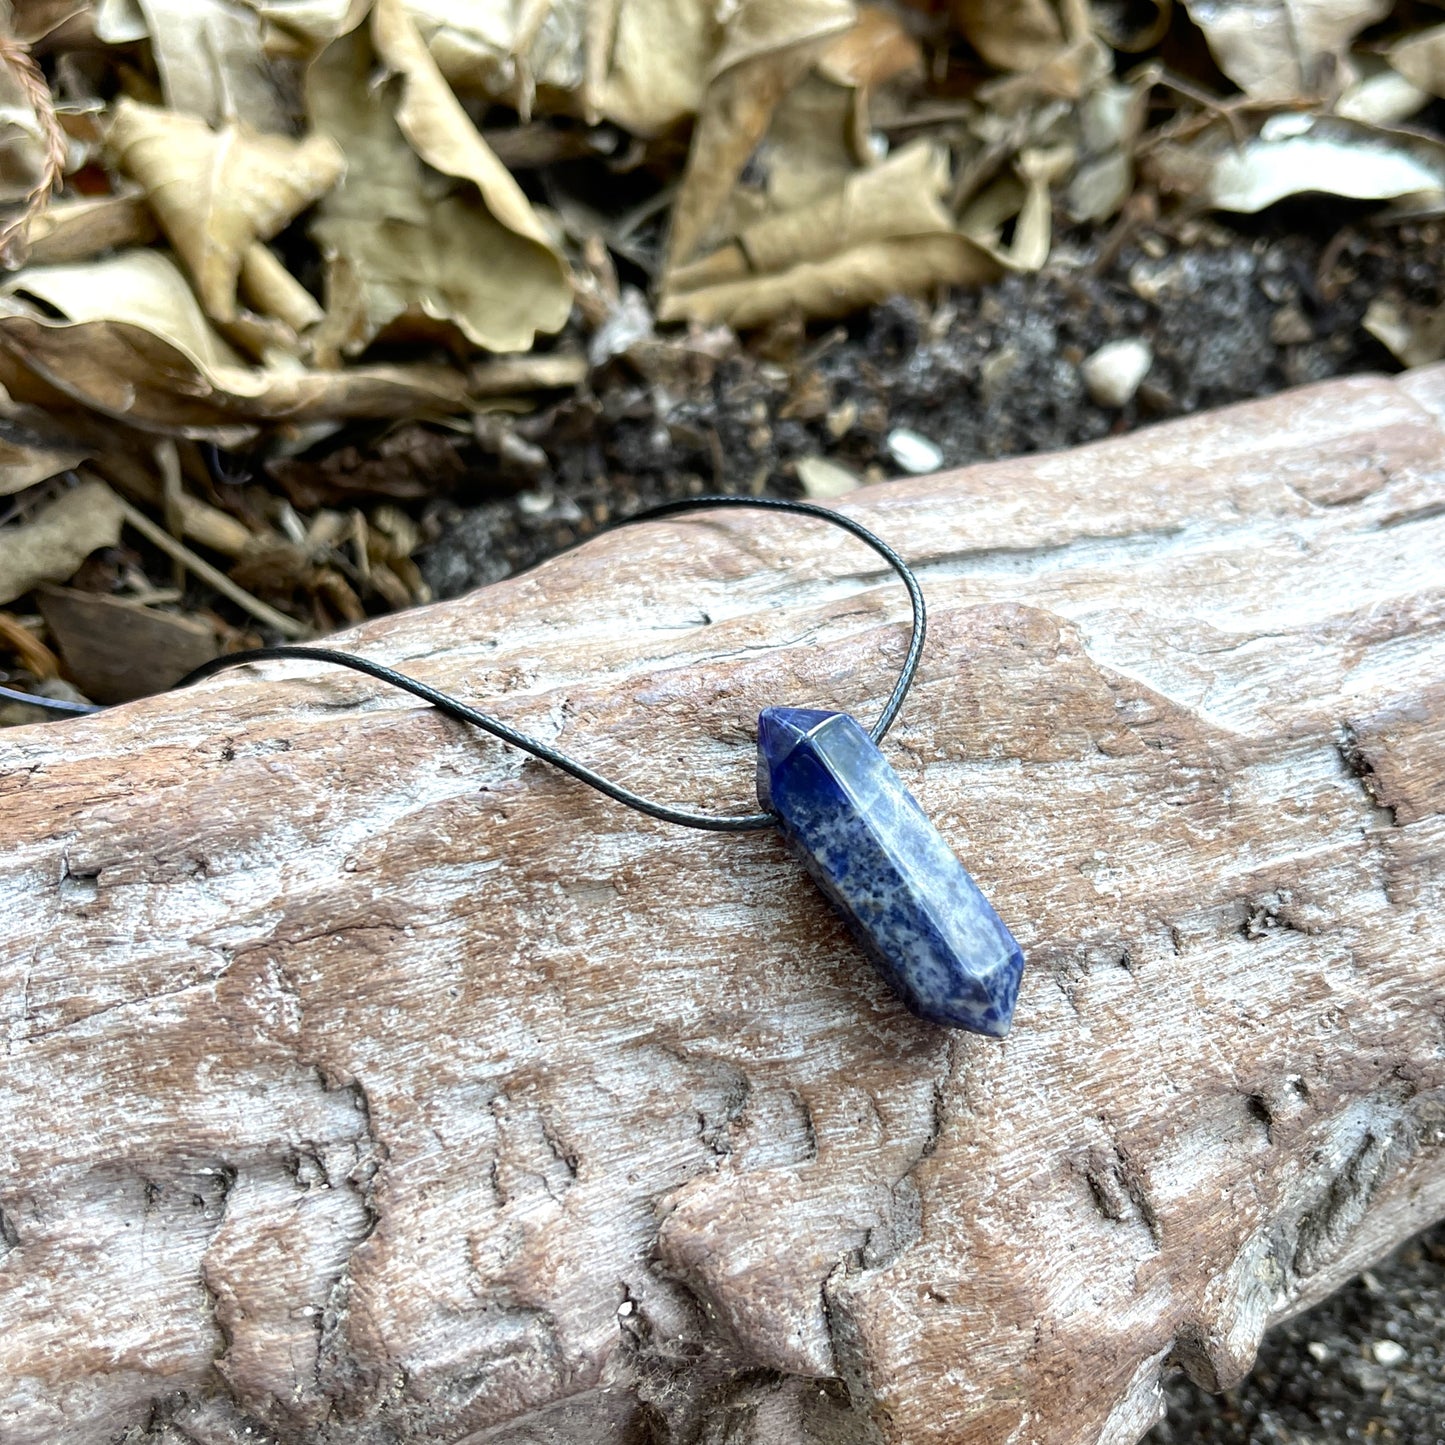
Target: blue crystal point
pixel 861 834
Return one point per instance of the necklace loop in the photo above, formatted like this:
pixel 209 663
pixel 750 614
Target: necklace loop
pixel 683 817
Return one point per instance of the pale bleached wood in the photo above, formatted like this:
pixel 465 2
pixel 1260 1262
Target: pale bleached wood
pixel 366 1083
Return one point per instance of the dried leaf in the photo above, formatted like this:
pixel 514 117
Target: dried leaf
pixel 1381 96
pixel 1421 59
pixel 1010 34
pixel 872 51
pixel 141 289
pixel 1110 119
pixel 210 56
pixel 860 276
pixel 409 463
pixel 314 24
pixel 51 546
pixel 643 64
pixel 817 227
pixel 272 290
pixel 187 516
pixel 119 22
pixel 1283 50
pixel 441 132
pixel 405 249
pixel 117 650
pixel 26 459
pixel 901 197
pixel 1069 74
pixel 134 345
pixel 34 20
pixel 289 574
pixel 1023 200
pixel 73 230
pixel 1414 334
pixel 505 51
pixel 647 61
pixel 1294 154
pixel 757 68
pixel 216 192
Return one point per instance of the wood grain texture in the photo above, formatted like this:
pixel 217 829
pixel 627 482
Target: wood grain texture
pixel 365 1082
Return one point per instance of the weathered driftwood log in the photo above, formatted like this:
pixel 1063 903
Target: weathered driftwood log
pixel 365 1082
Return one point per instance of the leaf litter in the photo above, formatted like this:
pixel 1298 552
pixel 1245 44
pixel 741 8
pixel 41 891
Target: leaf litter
pixel 288 279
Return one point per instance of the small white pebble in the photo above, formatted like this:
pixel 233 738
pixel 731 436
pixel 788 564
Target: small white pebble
pixel 535 504
pixel 913 451
pixel 1318 1353
pixel 1113 373
pixel 822 478
pixel 625 1308
pixel 1387 1352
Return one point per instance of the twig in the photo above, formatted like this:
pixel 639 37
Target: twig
pixel 1153 73
pixel 1138 210
pixel 212 576
pixel 551 371
pixel 168 464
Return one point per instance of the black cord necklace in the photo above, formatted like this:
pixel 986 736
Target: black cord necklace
pixel 683 817
pixel 839 805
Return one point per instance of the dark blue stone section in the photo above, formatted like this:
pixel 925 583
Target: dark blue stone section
pixel 887 869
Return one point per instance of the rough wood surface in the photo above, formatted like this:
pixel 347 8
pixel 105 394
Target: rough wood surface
pixel 364 1082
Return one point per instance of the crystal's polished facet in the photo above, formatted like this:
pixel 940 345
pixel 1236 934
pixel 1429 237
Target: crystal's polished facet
pixel 887 869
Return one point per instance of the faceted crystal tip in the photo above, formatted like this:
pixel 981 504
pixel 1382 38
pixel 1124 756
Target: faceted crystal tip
pixel 932 934
pixel 780 730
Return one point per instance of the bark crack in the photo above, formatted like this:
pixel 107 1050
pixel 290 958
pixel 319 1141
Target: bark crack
pixel 1357 766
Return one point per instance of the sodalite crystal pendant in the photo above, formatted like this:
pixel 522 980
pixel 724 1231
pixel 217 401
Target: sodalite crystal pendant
pixel 887 870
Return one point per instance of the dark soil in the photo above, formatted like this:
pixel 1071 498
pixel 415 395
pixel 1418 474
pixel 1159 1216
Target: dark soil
pixel 1368 1365
pixel 990 373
